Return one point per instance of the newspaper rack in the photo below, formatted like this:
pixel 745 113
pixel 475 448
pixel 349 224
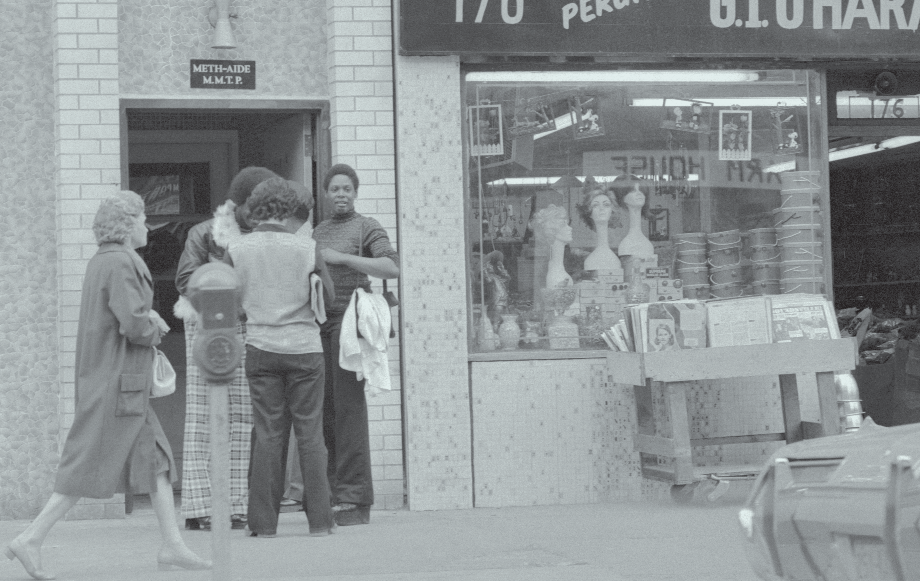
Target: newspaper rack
pixel 677 368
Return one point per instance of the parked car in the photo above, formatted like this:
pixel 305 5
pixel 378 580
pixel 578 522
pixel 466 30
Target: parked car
pixel 838 508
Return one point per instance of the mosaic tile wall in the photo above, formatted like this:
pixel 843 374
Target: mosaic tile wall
pixel 558 432
pixel 738 407
pixel 158 38
pixel 29 419
pixel 435 369
pixel 554 432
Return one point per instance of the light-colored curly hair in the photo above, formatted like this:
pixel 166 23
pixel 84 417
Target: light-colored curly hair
pixel 550 220
pixel 116 216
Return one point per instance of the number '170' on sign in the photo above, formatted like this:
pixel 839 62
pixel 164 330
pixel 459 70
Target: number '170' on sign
pixel 856 106
pixel 507 16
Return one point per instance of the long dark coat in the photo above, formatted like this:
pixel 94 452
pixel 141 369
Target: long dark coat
pixel 112 442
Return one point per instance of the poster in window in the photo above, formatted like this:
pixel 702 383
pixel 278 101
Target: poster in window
pixel 687 115
pixel 486 136
pixel 784 129
pixel 659 229
pixel 586 116
pixel 161 193
pixel 735 135
pixel 540 114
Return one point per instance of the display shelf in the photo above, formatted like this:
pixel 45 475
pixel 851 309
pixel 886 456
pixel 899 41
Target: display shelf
pixel 878 283
pixel 676 369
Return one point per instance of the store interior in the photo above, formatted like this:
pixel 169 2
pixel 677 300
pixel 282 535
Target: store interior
pixel 875 225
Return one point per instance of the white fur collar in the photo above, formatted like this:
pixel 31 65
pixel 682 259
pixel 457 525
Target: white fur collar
pixel 225 228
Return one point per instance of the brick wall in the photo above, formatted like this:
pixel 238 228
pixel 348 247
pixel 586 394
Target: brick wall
pixel 88 157
pixel 360 77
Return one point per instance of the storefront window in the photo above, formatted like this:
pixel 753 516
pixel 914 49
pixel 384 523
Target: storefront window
pixel 580 182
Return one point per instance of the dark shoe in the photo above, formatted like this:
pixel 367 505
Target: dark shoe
pixel 238 521
pixel 325 532
pixel 347 514
pixel 202 523
pixel 251 533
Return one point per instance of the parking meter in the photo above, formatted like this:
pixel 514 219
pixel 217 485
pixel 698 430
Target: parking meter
pixel 214 292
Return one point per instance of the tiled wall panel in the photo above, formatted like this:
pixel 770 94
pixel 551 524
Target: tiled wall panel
pixel 554 432
pixel 29 419
pixel 435 373
pixel 158 38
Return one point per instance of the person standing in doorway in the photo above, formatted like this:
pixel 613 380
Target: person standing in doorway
pixel 207 242
pixel 353 247
pixel 116 443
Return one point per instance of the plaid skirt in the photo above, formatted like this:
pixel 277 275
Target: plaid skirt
pixel 196 453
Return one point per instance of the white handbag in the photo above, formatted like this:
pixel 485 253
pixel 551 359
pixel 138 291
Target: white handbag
pixel 164 376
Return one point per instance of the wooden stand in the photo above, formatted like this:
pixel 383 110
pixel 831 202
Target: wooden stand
pixel 677 368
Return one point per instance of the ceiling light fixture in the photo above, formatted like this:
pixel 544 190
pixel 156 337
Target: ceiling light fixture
pixel 219 16
pixel 613 77
pixel 848 152
pixel 726 102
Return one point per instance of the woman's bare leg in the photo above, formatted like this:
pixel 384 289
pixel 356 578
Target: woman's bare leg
pixel 173 553
pixel 28 545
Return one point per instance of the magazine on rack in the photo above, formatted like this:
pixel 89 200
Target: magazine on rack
pixel 744 321
pixel 676 325
pixel 800 317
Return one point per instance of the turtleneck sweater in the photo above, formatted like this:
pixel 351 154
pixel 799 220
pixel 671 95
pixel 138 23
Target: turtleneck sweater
pixel 354 234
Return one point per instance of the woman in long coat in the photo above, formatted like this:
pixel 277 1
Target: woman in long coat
pixel 116 443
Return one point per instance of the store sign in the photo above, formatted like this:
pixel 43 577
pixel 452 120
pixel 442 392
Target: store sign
pixel 213 74
pixel 863 106
pixel 662 28
pixel 701 168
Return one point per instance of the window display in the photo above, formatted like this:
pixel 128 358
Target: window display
pixel 591 190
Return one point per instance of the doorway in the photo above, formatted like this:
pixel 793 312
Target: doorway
pixel 875 222
pixel 181 161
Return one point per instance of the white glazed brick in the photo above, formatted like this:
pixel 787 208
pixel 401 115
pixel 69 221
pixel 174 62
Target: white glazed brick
pixel 65 10
pixel 78 87
pixel 109 41
pixel 97 11
pixel 106 71
pixel 78 56
pixel 69 161
pixel 101 161
pixel 77 25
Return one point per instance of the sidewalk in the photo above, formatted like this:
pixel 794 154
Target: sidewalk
pixel 658 541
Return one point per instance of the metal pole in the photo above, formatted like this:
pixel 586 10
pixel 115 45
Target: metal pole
pixel 219 400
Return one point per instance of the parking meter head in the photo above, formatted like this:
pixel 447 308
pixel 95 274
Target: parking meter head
pixel 214 292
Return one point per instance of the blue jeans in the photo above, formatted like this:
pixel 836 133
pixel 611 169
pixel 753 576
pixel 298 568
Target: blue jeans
pixel 286 390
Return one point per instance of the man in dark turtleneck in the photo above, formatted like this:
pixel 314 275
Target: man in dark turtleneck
pixel 353 247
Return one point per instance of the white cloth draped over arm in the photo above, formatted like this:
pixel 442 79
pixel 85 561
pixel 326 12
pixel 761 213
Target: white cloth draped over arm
pixel 366 356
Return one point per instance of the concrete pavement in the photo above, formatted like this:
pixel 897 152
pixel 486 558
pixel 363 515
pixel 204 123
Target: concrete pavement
pixel 657 541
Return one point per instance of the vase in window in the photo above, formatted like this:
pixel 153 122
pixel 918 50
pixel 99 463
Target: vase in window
pixel 488 340
pixel 509 333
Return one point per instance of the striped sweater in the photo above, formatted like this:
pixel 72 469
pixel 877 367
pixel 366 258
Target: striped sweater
pixel 354 234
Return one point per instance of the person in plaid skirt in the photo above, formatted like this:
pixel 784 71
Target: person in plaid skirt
pixel 207 242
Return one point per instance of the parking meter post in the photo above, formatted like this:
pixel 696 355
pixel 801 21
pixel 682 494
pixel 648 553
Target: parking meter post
pixel 220 481
pixel 213 291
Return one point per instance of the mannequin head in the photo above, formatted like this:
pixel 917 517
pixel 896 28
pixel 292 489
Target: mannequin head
pixel 553 222
pixel 597 205
pixel 631 191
